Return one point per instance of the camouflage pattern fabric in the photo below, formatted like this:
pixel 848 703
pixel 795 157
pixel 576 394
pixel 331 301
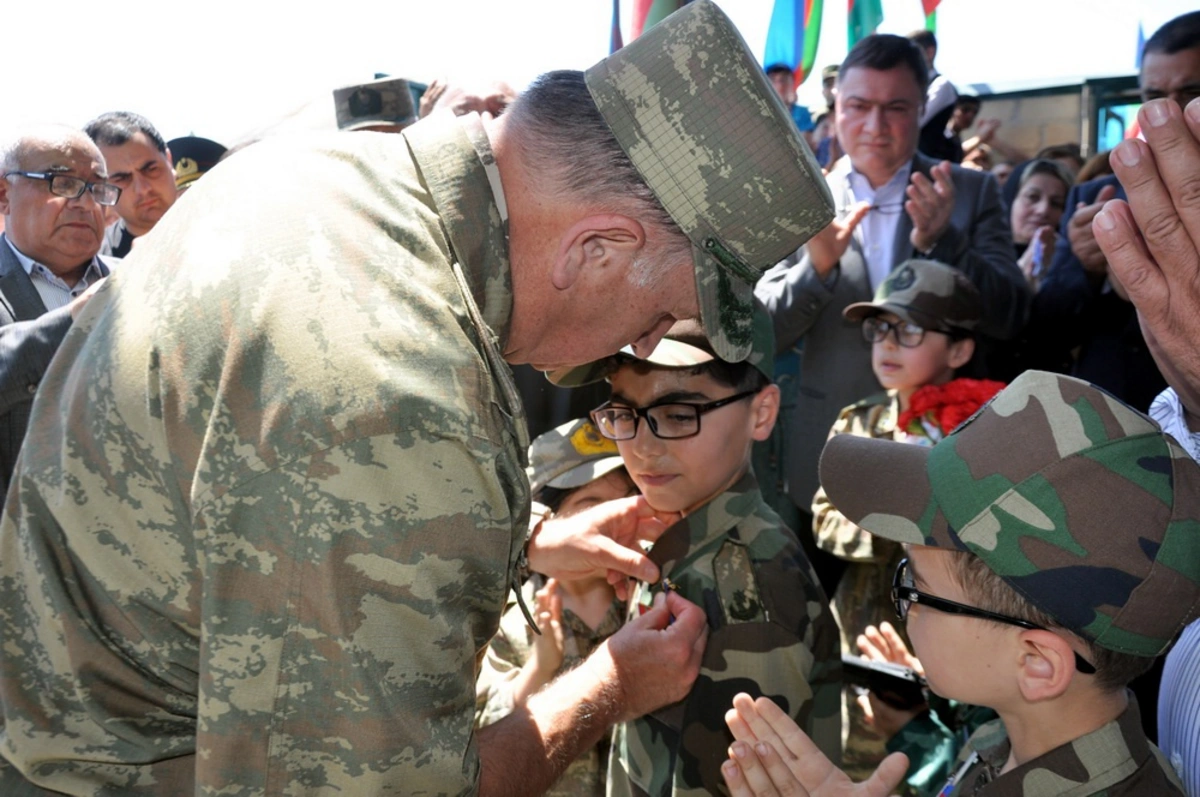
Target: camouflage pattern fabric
pixel 1077 501
pixel 864 594
pixel 509 651
pixel 274 484
pixel 770 633
pixel 1115 760
pixel 927 293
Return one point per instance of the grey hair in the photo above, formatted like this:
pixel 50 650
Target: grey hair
pixel 15 148
pixel 566 141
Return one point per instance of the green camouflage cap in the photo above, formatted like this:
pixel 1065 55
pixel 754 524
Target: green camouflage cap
pixel 929 294
pixel 569 456
pixel 381 102
pixel 684 346
pixel 1077 501
pixel 694 112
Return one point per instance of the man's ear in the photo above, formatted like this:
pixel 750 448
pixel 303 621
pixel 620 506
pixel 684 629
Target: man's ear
pixel 5 186
pixel 1047 665
pixel 764 411
pixel 600 240
pixel 960 352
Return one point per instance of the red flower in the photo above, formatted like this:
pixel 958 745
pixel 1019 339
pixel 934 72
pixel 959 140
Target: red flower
pixel 948 405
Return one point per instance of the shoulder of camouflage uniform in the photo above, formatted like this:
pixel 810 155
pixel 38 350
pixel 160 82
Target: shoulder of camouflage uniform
pixel 882 398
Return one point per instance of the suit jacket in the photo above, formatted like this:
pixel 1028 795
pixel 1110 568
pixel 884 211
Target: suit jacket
pixel 29 337
pixel 1073 310
pixel 835 368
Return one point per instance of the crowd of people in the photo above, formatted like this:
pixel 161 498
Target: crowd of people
pixel 636 434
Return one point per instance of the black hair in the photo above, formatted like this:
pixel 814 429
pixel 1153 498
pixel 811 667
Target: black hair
pixel 968 99
pixel 114 128
pixel 884 51
pixel 776 69
pixel 1181 33
pixel 739 376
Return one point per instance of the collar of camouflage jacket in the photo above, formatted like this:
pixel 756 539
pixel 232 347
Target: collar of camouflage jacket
pixel 1088 765
pixel 459 167
pixel 689 537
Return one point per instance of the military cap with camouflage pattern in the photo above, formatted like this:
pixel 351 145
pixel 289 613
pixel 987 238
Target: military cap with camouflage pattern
pixel 387 101
pixel 689 104
pixel 927 293
pixel 571 455
pixel 1077 501
pixel 684 346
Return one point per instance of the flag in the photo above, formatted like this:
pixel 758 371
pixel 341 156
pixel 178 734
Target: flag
pixel 648 13
pixel 931 22
pixel 614 36
pixel 1141 45
pixel 793 35
pixel 863 18
pixel 929 6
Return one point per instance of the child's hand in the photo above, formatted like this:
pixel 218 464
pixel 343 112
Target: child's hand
pixel 547 654
pixel 885 644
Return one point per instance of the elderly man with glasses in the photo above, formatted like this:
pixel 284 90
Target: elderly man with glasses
pixel 53 192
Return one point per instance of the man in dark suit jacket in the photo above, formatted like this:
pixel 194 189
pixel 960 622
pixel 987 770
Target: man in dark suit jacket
pixel 892 204
pixel 52 195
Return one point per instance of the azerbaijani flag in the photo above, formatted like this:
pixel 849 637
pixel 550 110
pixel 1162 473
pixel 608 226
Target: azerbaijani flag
pixel 930 8
pixel 863 17
pixel 648 13
pixel 793 35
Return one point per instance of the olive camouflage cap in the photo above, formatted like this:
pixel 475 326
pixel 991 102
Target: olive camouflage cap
pixel 929 294
pixel 694 112
pixel 570 456
pixel 684 346
pixel 1078 502
pixel 387 101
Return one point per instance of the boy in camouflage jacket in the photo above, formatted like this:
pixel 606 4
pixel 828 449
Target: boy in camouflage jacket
pixel 685 422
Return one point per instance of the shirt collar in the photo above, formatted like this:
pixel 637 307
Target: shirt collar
pixel 28 263
pixel 708 523
pixel 861 185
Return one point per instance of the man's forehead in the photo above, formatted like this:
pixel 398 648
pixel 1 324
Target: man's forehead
pixel 881 85
pixel 1167 71
pixel 74 157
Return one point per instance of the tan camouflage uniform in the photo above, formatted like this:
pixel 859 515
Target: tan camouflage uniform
pixel 509 651
pixel 1114 760
pixel 770 633
pixel 274 483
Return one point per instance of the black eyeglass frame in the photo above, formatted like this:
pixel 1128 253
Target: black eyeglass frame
pixel 87 185
pixel 644 412
pixel 903 596
pixel 883 328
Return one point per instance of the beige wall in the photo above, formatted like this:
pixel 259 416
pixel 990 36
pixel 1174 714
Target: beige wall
pixel 1031 123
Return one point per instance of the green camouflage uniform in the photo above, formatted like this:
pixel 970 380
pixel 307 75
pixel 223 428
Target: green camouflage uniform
pixel 509 651
pixel 1114 761
pixel 770 633
pixel 263 523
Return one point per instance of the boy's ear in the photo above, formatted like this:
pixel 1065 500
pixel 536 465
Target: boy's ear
pixel 605 239
pixel 764 410
pixel 961 352
pixel 1047 665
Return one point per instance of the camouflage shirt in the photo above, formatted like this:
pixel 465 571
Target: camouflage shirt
pixel 274 483
pixel 770 633
pixel 509 651
pixel 1113 760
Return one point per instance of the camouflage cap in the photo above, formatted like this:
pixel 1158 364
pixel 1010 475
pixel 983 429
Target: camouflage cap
pixel 387 101
pixel 1077 501
pixel 929 294
pixel 689 104
pixel 569 456
pixel 684 346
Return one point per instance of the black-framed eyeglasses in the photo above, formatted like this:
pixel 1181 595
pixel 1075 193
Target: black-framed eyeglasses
pixel 670 420
pixel 66 185
pixel 904 595
pixel 875 329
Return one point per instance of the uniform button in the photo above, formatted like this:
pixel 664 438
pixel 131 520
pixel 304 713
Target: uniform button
pixel 32 388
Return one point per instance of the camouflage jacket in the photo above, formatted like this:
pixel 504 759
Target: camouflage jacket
pixel 274 484
pixel 1113 760
pixel 770 633
pixel 509 651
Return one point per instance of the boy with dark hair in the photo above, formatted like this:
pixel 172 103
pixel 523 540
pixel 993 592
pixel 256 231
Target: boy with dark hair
pixel 684 422
pixel 1052 556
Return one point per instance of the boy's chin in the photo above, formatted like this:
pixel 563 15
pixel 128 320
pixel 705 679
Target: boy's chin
pixel 668 500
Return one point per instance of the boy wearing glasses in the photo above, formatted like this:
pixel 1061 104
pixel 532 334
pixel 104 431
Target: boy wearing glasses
pixel 684 422
pixel 920 326
pixel 1053 545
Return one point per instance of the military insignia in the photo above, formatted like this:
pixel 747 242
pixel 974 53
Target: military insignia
pixel 734 574
pixel 903 279
pixel 587 441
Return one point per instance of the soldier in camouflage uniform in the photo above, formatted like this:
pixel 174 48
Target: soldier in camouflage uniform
pixel 932 296
pixel 273 494
pixel 1053 556
pixel 770 628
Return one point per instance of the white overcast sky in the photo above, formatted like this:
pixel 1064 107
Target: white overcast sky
pixel 219 68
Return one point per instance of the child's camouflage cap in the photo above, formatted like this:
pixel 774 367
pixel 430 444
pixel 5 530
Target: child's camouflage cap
pixel 570 456
pixel 684 346
pixel 1077 501
pixel 929 294
pixel 690 106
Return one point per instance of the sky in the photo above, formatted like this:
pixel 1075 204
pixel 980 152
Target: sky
pixel 221 68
